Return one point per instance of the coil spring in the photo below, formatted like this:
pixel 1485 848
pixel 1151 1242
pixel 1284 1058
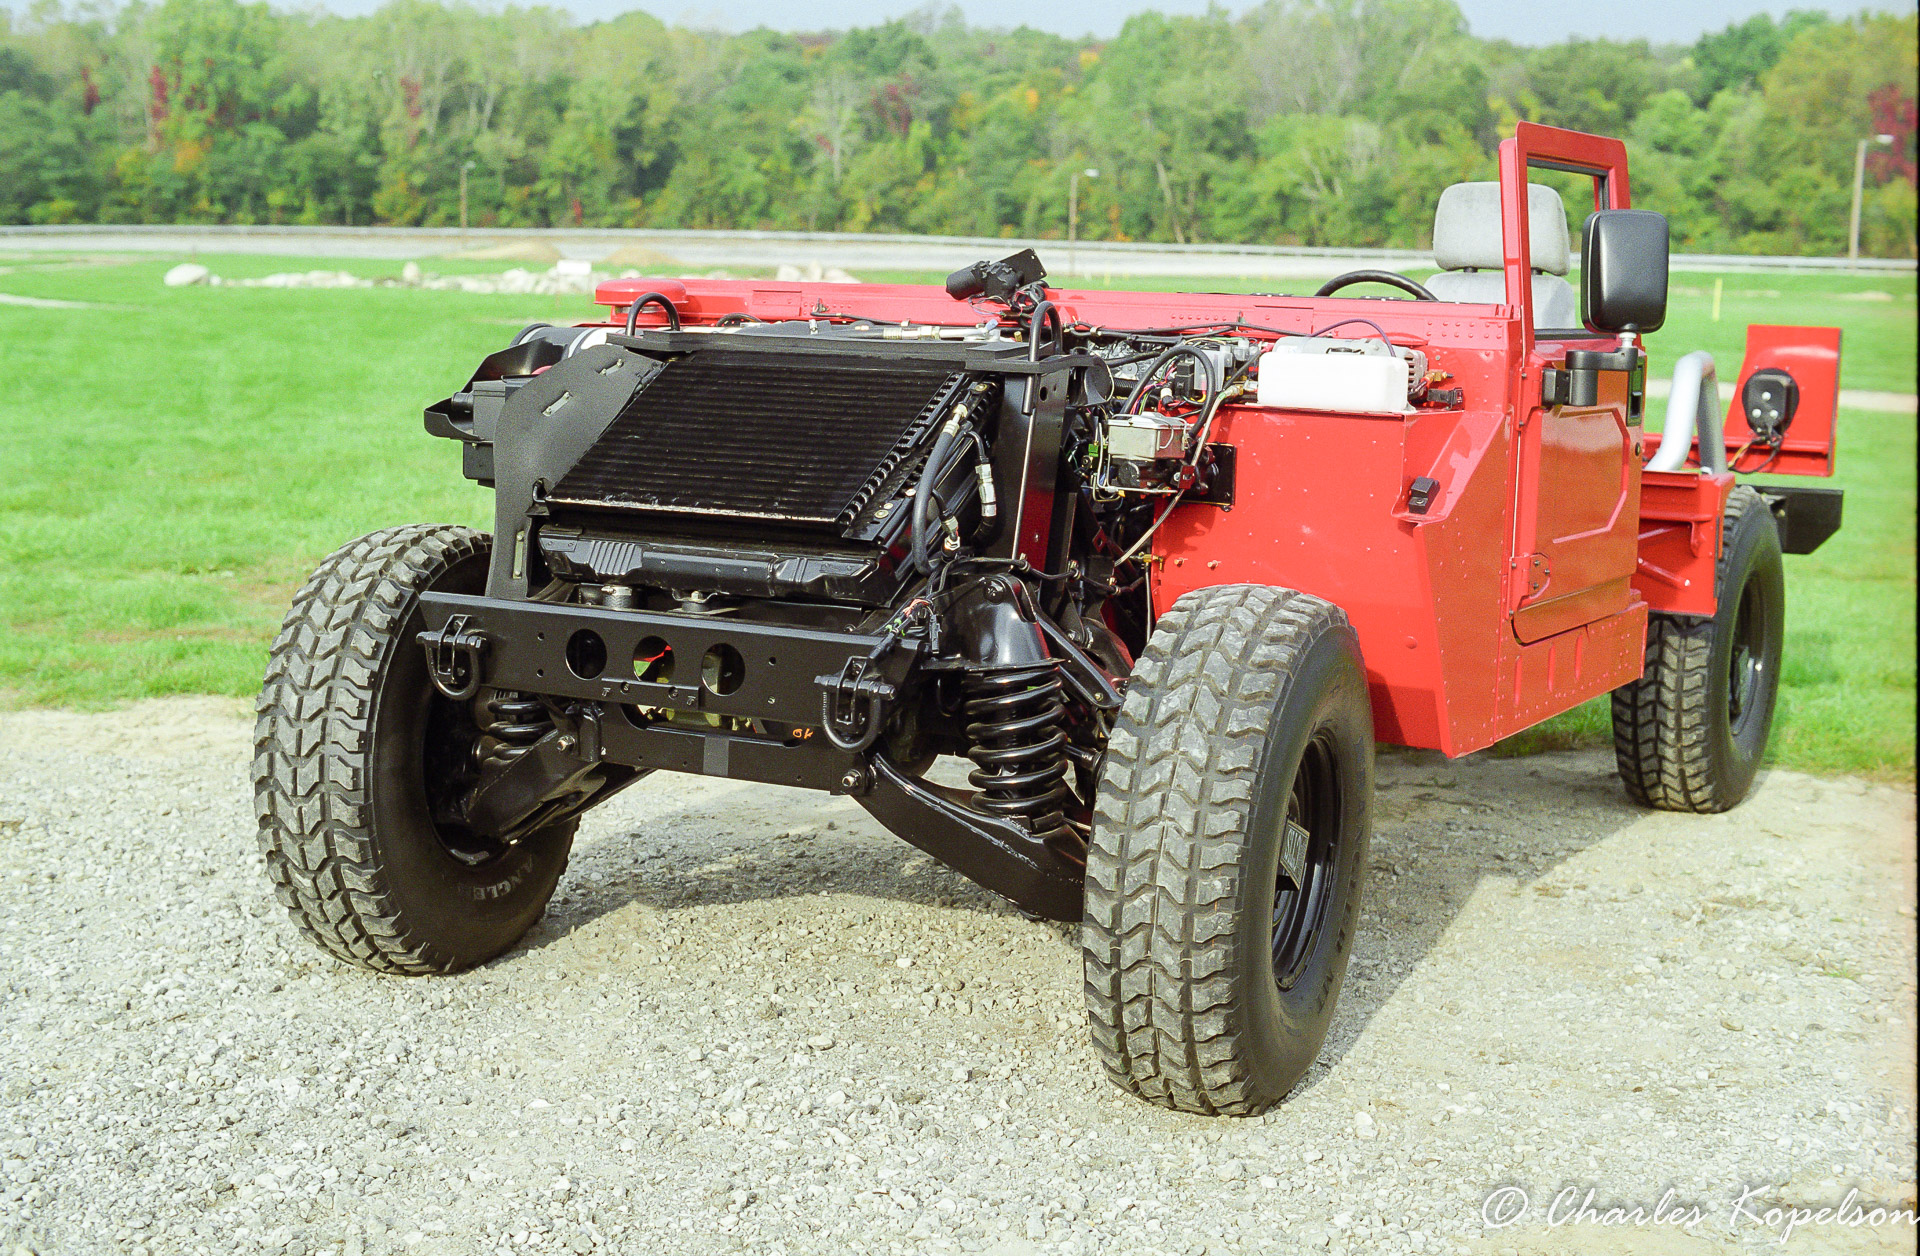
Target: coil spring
pixel 515 721
pixel 1014 714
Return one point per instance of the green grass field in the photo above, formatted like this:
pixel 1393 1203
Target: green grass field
pixel 175 462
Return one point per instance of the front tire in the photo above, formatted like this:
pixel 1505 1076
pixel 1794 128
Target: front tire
pixel 1689 735
pixel 351 739
pixel 1230 842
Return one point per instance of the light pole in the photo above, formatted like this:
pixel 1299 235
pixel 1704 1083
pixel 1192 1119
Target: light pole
pixel 463 195
pixel 1859 180
pixel 1073 212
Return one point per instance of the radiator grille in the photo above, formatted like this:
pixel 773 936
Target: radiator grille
pixel 798 437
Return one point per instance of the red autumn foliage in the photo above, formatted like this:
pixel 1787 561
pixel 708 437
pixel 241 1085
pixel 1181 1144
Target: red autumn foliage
pixel 157 82
pixel 1893 114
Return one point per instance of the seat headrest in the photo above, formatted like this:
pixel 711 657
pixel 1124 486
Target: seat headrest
pixel 1466 228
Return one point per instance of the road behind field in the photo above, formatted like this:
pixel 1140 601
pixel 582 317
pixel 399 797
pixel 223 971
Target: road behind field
pixel 752 1022
pixel 854 251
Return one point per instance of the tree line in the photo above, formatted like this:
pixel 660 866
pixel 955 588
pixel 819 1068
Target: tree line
pixel 1299 122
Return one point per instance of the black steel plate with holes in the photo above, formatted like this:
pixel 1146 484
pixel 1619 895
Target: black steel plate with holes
pixel 1220 480
pixel 1807 516
pixel 528 644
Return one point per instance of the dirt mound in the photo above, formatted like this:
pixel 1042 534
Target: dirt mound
pixel 640 257
pixel 509 251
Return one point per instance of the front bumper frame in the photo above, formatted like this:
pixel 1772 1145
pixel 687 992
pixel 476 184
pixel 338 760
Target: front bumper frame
pixel 526 648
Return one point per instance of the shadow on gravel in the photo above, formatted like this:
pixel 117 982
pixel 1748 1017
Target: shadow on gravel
pixel 1441 829
pixel 750 843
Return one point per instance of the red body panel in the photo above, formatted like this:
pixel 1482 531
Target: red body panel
pixel 1579 490
pixel 1680 540
pixel 1812 356
pixel 1522 591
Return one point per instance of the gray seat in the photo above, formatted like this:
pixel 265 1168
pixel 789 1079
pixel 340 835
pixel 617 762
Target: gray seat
pixel 1468 250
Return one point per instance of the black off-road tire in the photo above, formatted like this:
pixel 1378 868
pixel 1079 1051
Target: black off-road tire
pixel 1245 697
pixel 340 785
pixel 1689 735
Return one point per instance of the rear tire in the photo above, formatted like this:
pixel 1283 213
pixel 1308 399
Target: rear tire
pixel 1211 974
pixel 1689 735
pixel 347 722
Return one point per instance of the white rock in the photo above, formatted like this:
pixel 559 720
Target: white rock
pixel 186 274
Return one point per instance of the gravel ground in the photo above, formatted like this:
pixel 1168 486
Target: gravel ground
pixel 752 1022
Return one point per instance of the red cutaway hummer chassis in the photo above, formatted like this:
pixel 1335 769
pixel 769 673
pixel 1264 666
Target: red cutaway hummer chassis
pixel 1162 567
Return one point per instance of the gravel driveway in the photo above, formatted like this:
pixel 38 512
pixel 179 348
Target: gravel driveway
pixel 753 1023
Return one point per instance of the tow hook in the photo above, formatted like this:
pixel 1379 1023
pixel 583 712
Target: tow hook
pixel 853 704
pixel 453 657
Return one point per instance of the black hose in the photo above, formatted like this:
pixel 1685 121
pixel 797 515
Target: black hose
pixel 652 298
pixel 923 521
pixel 1171 352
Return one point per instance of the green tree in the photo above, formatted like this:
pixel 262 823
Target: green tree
pixel 1741 55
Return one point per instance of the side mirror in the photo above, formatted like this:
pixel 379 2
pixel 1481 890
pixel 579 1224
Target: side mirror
pixel 1623 270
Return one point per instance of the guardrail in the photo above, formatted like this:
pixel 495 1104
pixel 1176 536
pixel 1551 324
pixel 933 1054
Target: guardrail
pixel 1090 252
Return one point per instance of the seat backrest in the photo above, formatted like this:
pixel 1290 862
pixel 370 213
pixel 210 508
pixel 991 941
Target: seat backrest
pixel 1555 304
pixel 1466 228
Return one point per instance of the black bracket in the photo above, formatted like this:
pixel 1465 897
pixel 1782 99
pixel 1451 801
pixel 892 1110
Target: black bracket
pixel 1806 516
pixel 1420 496
pixel 1568 388
pixel 453 657
pixel 1578 383
pixel 1215 487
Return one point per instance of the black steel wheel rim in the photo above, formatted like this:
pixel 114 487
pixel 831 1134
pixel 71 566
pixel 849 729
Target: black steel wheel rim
pixel 1301 907
pixel 1747 660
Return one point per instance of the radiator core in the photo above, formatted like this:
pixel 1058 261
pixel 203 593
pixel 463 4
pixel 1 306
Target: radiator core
pixel 775 434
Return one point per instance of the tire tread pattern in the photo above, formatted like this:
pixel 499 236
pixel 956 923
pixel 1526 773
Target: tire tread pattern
pixel 1170 823
pixel 313 742
pixel 1663 723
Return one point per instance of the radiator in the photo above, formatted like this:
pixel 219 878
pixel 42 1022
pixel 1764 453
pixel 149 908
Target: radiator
pixel 808 439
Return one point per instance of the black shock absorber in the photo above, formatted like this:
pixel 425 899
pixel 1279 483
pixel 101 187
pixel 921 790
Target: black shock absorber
pixel 1015 740
pixel 515 721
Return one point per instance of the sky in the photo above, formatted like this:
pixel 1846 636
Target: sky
pixel 1521 21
